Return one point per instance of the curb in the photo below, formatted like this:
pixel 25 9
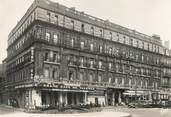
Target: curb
pixel 128 115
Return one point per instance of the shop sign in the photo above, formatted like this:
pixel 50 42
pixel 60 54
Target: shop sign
pixel 98 93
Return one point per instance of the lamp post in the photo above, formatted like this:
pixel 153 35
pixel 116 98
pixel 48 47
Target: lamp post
pixel 136 92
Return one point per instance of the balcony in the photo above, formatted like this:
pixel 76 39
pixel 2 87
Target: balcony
pixel 82 65
pixel 167 74
pixel 77 83
pixel 50 62
pixel 167 85
pixel 72 64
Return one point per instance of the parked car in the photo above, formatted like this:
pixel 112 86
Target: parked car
pixel 132 105
pixel 140 104
pixel 166 104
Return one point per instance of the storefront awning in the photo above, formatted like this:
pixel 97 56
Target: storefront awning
pixel 64 90
pixel 164 93
pixel 135 93
pixel 131 94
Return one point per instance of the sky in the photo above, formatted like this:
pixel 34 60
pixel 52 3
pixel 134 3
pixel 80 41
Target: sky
pixel 146 16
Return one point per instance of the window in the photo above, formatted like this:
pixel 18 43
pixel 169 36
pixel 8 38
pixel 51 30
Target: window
pixel 55 39
pixel 74 60
pixel 156 84
pixel 110 35
pixel 148 46
pixel 101 33
pixel 147 58
pixel 141 83
pixel 123 81
pixel 46 56
pixel 100 78
pixel 118 37
pixel 101 49
pixel 54 73
pixel 51 54
pixel 124 39
pixel 82 28
pixel 110 50
pixel 72 24
pixel 91 47
pixel 142 45
pixel 91 78
pixel 116 80
pixel 70 75
pixel 117 52
pixel 54 57
pixel 136 57
pixel 134 42
pixel 130 80
pixel 48 16
pixel 46 72
pixel 154 48
pixel 135 82
pixel 136 70
pixel 110 66
pixel 117 67
pixel 153 84
pixel 82 45
pixel 72 42
pixel 110 80
pixel 100 64
pixel 142 58
pixel 82 61
pixel 56 19
pixel 124 68
pixel 91 63
pixel 47 38
pixel 81 76
pixel 137 43
pixel 158 50
pixel 92 30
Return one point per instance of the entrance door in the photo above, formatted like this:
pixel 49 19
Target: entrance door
pixel 116 98
pixel 96 101
pixel 109 101
pixel 69 97
pixel 56 98
pixel 43 98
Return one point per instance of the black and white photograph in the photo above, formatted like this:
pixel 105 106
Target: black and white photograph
pixel 85 58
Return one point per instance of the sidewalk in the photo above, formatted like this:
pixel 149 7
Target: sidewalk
pixel 4 109
pixel 8 111
pixel 114 110
pixel 94 114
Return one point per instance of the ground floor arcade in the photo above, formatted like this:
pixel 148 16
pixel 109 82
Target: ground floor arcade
pixel 45 97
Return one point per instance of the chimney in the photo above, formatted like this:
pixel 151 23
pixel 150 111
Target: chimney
pixel 154 36
pixel 166 44
pixel 73 8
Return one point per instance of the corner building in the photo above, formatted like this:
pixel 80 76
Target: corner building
pixel 58 55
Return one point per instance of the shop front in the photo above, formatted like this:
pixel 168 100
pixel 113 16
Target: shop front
pixel 97 98
pixel 135 96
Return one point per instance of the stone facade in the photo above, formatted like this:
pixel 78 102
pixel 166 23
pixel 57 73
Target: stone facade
pixel 60 56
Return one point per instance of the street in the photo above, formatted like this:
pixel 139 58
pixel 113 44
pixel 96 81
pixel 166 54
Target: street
pixel 116 112
pixel 145 112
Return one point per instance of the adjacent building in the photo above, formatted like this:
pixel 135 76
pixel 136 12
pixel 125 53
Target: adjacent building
pixel 58 55
pixel 2 79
